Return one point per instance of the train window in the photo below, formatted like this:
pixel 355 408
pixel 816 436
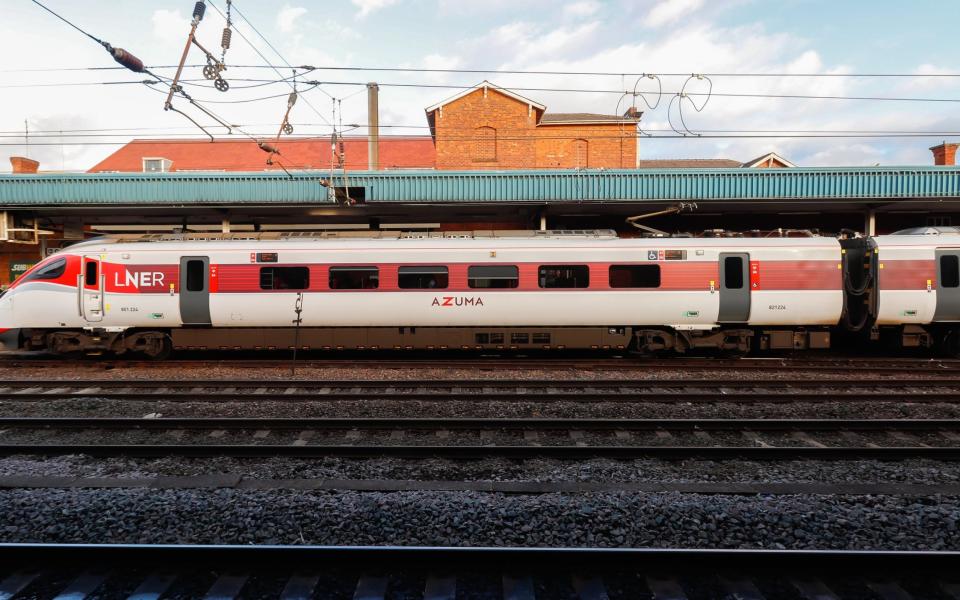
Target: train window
pixel 950 271
pixel 733 272
pixel 195 276
pixel 564 276
pixel 519 338
pixel 482 338
pixel 284 278
pixel 354 278
pixel 635 276
pixel 422 278
pixel 541 338
pixel 493 276
pixel 90 273
pixel 51 271
pixel 496 338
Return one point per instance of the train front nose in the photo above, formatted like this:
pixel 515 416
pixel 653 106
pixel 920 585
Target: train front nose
pixel 9 335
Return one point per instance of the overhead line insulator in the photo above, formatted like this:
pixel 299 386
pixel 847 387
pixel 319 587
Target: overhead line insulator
pixel 126 59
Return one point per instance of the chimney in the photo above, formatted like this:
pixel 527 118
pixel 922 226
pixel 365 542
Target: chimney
pixel 943 155
pixel 633 113
pixel 28 166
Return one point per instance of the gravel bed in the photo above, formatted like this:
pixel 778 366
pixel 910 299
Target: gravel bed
pixel 680 409
pixel 490 469
pixel 458 519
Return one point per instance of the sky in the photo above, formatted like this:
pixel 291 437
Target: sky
pixel 78 117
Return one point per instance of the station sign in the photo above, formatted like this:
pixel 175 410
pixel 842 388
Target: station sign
pixel 18 268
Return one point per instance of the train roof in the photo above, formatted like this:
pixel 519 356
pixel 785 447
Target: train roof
pixel 389 239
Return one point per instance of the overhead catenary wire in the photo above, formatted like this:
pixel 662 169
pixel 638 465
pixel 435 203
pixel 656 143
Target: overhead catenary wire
pixel 664 135
pixel 524 72
pixel 133 130
pixel 756 95
pixel 265 59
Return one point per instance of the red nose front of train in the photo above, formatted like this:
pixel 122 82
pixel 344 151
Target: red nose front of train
pixel 9 334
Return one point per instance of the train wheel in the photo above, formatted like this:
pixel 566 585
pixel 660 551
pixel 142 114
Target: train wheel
pixel 153 345
pixel 160 350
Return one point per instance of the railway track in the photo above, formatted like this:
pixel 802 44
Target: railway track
pixel 536 362
pixel 482 438
pixel 715 390
pixel 385 573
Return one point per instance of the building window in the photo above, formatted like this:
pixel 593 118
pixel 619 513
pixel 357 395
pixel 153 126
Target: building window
pixel 493 277
pixel 635 276
pixel 354 278
pixel 564 276
pixel 156 165
pixel 581 153
pixel 284 278
pixel 422 278
pixel 486 144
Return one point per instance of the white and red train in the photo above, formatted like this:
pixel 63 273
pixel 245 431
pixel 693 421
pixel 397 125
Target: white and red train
pixel 485 290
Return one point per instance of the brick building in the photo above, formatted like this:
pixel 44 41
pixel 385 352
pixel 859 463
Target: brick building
pixel 489 127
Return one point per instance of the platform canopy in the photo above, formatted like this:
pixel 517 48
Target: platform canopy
pixel 818 186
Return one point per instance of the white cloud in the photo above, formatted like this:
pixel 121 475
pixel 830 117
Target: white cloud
pixel 668 11
pixel 368 6
pixel 287 17
pixel 580 10
pixel 932 78
pixel 170 25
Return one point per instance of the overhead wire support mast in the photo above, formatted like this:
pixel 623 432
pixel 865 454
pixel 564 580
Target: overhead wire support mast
pixel 175 88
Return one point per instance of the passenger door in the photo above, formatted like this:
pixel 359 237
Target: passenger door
pixel 195 290
pixel 734 288
pixel 948 285
pixel 90 286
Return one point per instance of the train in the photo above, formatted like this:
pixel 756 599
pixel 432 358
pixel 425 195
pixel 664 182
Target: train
pixel 487 290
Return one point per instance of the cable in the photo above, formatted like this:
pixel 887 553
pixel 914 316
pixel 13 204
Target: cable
pixel 132 130
pixel 96 39
pixel 594 91
pixel 265 59
pixel 519 72
pixel 322 139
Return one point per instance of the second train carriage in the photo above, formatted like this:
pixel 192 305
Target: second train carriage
pixel 485 290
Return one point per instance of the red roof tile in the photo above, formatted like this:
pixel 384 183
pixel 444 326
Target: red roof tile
pixel 244 155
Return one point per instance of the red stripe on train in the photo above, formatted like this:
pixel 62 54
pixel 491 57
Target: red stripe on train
pixel 908 274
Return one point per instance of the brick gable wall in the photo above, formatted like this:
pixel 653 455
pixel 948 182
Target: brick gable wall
pixel 464 127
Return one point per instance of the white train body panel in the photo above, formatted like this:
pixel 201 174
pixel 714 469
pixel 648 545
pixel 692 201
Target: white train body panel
pixel 909 287
pixel 791 281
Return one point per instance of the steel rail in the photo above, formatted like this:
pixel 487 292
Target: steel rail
pixel 506 424
pixel 713 382
pixel 679 363
pixel 296 556
pixel 482 384
pixel 286 572
pixel 714 397
pixel 477 452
